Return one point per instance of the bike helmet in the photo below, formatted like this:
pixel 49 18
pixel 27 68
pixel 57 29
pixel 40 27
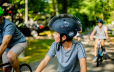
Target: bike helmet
pixel 65 24
pixel 100 21
pixel 1 11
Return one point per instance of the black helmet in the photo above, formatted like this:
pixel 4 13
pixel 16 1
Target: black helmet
pixel 66 24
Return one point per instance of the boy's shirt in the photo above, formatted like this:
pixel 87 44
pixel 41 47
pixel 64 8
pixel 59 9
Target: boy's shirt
pixel 68 60
pixel 100 34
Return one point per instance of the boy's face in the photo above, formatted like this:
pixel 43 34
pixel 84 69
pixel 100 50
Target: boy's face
pixel 100 24
pixel 56 37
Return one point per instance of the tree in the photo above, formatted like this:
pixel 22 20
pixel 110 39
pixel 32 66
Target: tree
pixel 64 6
pixel 26 11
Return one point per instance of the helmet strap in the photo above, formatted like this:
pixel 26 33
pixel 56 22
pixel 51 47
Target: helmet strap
pixel 60 44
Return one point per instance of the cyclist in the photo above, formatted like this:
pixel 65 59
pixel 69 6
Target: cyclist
pixel 78 35
pixel 101 33
pixel 70 54
pixel 12 43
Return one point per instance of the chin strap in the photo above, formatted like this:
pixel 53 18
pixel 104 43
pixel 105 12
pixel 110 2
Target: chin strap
pixel 60 44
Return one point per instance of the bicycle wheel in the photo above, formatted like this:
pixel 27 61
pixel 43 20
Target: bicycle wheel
pixel 24 68
pixel 101 58
pixel 97 61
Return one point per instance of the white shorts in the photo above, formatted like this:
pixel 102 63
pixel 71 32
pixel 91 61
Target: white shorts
pixel 17 49
pixel 100 37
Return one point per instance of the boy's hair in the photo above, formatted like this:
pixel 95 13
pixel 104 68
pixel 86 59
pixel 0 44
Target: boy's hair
pixel 67 39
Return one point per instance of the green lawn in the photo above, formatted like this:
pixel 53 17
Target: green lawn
pixel 36 50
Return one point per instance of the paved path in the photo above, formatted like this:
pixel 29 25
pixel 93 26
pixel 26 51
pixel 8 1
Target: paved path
pixel 106 66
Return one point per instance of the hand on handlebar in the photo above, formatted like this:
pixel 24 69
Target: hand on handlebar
pixel 91 38
pixel 107 38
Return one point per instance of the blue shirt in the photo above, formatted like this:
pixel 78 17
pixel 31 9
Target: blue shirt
pixel 68 59
pixel 8 28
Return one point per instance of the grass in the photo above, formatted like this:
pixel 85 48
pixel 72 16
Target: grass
pixel 46 33
pixel 111 36
pixel 36 50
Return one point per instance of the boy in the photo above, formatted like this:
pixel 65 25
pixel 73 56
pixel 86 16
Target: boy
pixel 70 54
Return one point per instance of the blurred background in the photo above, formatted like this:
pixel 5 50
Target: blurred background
pixel 32 16
pixel 35 14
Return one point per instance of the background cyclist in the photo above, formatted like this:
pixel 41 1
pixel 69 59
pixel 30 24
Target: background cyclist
pixel 70 54
pixel 78 35
pixel 101 33
pixel 12 43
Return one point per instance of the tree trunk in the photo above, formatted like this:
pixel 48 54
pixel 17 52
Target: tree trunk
pixel 56 8
pixel 64 6
pixel 0 3
pixel 26 11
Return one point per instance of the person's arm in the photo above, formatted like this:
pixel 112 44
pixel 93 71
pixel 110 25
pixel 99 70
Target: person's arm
pixel 82 57
pixel 5 43
pixel 106 27
pixel 83 66
pixel 91 36
pixel 106 33
pixel 43 63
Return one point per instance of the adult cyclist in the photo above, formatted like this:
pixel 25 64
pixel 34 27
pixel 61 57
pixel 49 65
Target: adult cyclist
pixel 70 54
pixel 12 43
pixel 101 33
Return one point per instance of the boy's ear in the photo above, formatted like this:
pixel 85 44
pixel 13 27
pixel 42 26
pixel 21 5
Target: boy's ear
pixel 64 37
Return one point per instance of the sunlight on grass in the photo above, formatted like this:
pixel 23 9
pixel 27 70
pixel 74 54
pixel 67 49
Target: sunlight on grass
pixel 36 50
pixel 46 33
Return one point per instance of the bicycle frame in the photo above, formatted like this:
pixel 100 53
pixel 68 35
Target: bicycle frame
pixel 99 53
pixel 99 48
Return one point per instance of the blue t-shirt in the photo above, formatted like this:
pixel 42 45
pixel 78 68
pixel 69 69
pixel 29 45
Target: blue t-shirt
pixel 68 60
pixel 8 28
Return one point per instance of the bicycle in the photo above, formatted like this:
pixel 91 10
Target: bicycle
pixel 23 67
pixel 99 53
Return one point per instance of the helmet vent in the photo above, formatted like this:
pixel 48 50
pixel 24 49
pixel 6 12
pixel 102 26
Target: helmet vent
pixel 68 27
pixel 64 20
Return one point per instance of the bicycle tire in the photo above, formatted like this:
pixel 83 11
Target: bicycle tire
pixel 101 58
pixel 97 60
pixel 24 68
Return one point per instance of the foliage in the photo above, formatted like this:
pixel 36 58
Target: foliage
pixel 89 11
